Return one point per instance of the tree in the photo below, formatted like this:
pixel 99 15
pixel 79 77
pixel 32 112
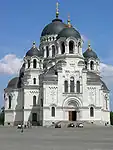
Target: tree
pixel 111 117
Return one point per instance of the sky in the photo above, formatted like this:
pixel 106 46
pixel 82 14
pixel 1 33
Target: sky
pixel 21 23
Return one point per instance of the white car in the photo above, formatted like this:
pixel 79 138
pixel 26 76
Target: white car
pixel 19 126
pixel 80 125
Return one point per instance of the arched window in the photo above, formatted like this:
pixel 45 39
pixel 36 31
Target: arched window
pixel 79 45
pixel 72 89
pixel 34 100
pixel 71 47
pixel 41 102
pixel 62 48
pixel 92 65
pixel 106 104
pixel 91 112
pixel 28 63
pixel 34 80
pixel 47 51
pixel 53 111
pixel 65 86
pixel 53 51
pixel 10 102
pixel 78 86
pixel 85 64
pixel 34 63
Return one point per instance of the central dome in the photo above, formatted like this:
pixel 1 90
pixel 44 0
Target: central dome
pixel 69 32
pixel 53 28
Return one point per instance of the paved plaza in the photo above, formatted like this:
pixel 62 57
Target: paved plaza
pixel 88 138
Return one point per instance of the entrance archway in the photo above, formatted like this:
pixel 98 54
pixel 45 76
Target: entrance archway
pixel 71 107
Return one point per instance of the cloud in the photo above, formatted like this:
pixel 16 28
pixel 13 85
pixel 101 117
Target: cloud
pixel 10 64
pixel 107 72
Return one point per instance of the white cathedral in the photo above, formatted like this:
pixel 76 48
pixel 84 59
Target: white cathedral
pixel 57 81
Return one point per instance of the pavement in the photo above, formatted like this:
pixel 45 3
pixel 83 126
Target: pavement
pixel 40 138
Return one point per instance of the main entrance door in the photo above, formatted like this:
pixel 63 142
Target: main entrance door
pixel 72 115
pixel 34 119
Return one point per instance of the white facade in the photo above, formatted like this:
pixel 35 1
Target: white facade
pixel 57 82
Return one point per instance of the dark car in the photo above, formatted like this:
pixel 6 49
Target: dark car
pixel 71 125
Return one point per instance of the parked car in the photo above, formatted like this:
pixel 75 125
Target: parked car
pixel 19 126
pixel 58 126
pixel 71 125
pixel 79 125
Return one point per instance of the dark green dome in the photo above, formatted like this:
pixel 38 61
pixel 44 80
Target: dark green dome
pixel 33 51
pixel 53 28
pixel 13 83
pixel 69 32
pixel 90 53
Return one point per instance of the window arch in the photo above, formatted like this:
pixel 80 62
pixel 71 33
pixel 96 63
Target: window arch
pixel 28 63
pixel 34 63
pixel 53 111
pixel 71 47
pixel 92 65
pixel 78 86
pixel 47 51
pixel 65 86
pixel 91 112
pixel 53 51
pixel 10 99
pixel 72 84
pixel 34 100
pixel 62 48
pixel 34 80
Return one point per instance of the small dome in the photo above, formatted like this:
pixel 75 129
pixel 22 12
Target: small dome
pixel 90 53
pixel 69 32
pixel 13 83
pixel 53 28
pixel 33 51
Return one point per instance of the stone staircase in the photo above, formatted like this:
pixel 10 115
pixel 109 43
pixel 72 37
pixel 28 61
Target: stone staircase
pixel 64 124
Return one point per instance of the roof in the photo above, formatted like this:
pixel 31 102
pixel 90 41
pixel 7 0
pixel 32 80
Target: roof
pixel 13 83
pixel 69 32
pixel 53 28
pixel 34 51
pixel 90 53
pixel 93 78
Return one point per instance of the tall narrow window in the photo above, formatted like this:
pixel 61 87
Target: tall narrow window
pixel 53 111
pixel 72 89
pixel 79 45
pixel 65 86
pixel 106 104
pixel 34 100
pixel 28 63
pixel 85 64
pixel 47 51
pixel 91 112
pixel 71 47
pixel 62 48
pixel 53 51
pixel 78 86
pixel 41 102
pixel 92 65
pixel 10 102
pixel 34 63
pixel 34 80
